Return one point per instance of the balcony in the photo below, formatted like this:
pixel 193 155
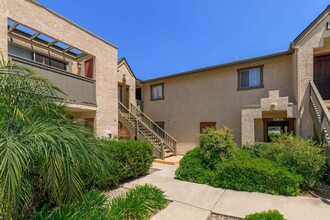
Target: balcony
pixel 79 89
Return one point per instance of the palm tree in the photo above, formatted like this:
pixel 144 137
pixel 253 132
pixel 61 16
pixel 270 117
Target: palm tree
pixel 43 154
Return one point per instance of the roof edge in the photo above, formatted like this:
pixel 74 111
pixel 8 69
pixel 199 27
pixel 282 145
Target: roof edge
pixel 123 60
pixel 310 27
pixel 72 23
pixel 284 53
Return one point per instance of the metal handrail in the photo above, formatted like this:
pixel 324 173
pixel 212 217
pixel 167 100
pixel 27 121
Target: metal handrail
pixel 168 139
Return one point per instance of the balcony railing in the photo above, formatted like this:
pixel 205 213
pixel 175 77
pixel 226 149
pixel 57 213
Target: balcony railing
pixel 79 89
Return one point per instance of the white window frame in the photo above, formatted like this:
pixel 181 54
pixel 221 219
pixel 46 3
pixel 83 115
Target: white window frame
pixel 255 80
pixel 160 92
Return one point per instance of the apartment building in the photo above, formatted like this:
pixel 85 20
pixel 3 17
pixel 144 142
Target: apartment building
pixel 283 92
pixel 278 93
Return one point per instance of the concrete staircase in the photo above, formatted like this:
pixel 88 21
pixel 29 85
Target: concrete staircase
pixel 145 129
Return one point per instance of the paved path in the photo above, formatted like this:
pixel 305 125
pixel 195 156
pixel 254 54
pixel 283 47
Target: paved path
pixel 193 201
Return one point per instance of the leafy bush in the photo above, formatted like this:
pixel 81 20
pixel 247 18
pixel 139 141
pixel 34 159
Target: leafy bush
pixel 298 155
pixel 192 168
pixel 266 215
pixel 256 174
pixel 126 159
pixel 216 145
pixel 138 203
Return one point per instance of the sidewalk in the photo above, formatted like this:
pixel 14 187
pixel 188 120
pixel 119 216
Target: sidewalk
pixel 196 201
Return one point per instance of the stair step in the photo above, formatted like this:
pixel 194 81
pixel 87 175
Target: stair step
pixel 169 154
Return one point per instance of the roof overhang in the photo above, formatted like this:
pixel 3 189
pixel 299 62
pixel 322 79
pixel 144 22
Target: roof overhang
pixel 310 28
pixel 30 35
pixel 123 61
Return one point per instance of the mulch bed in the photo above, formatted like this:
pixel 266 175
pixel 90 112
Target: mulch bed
pixel 113 193
pixel 322 192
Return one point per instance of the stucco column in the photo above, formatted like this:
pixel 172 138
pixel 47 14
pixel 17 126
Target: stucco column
pixel 3 30
pixel 106 95
pixel 247 122
pixel 305 75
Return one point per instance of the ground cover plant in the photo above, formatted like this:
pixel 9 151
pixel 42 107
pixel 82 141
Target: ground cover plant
pixel 284 166
pixel 138 203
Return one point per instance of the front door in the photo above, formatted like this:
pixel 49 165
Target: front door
pixel 322 75
pixel 120 93
pixel 277 126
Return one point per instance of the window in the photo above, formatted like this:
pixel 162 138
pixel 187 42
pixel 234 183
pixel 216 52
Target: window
pixel 250 78
pixel 50 61
pixel 18 51
pixel 204 125
pixel 157 92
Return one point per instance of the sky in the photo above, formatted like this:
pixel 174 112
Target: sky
pixel 163 37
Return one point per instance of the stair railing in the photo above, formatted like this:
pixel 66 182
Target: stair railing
pixel 168 139
pixel 321 117
pixel 160 150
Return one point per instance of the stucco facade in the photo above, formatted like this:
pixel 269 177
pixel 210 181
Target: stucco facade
pixel 213 96
pixel 126 80
pixel 37 17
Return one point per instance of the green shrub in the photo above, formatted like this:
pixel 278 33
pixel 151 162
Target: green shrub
pixel 126 159
pixel 192 168
pixel 216 145
pixel 138 203
pixel 256 174
pixel 298 155
pixel 266 215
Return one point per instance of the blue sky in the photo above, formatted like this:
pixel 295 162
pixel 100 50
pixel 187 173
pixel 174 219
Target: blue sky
pixel 162 37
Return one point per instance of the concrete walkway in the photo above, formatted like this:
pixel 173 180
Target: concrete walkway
pixel 196 201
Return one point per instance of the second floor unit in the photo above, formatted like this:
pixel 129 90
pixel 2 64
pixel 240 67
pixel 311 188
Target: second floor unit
pixel 83 65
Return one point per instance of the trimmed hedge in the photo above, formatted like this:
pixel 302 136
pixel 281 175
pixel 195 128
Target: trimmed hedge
pixel 266 215
pixel 126 159
pixel 192 168
pixel 256 174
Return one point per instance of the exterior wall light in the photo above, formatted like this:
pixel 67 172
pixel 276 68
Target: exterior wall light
pixel 79 65
pixel 328 25
pixel 273 107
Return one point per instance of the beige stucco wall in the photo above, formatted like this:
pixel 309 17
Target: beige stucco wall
pixel 128 84
pixel 212 96
pixel 37 17
pixel 304 54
